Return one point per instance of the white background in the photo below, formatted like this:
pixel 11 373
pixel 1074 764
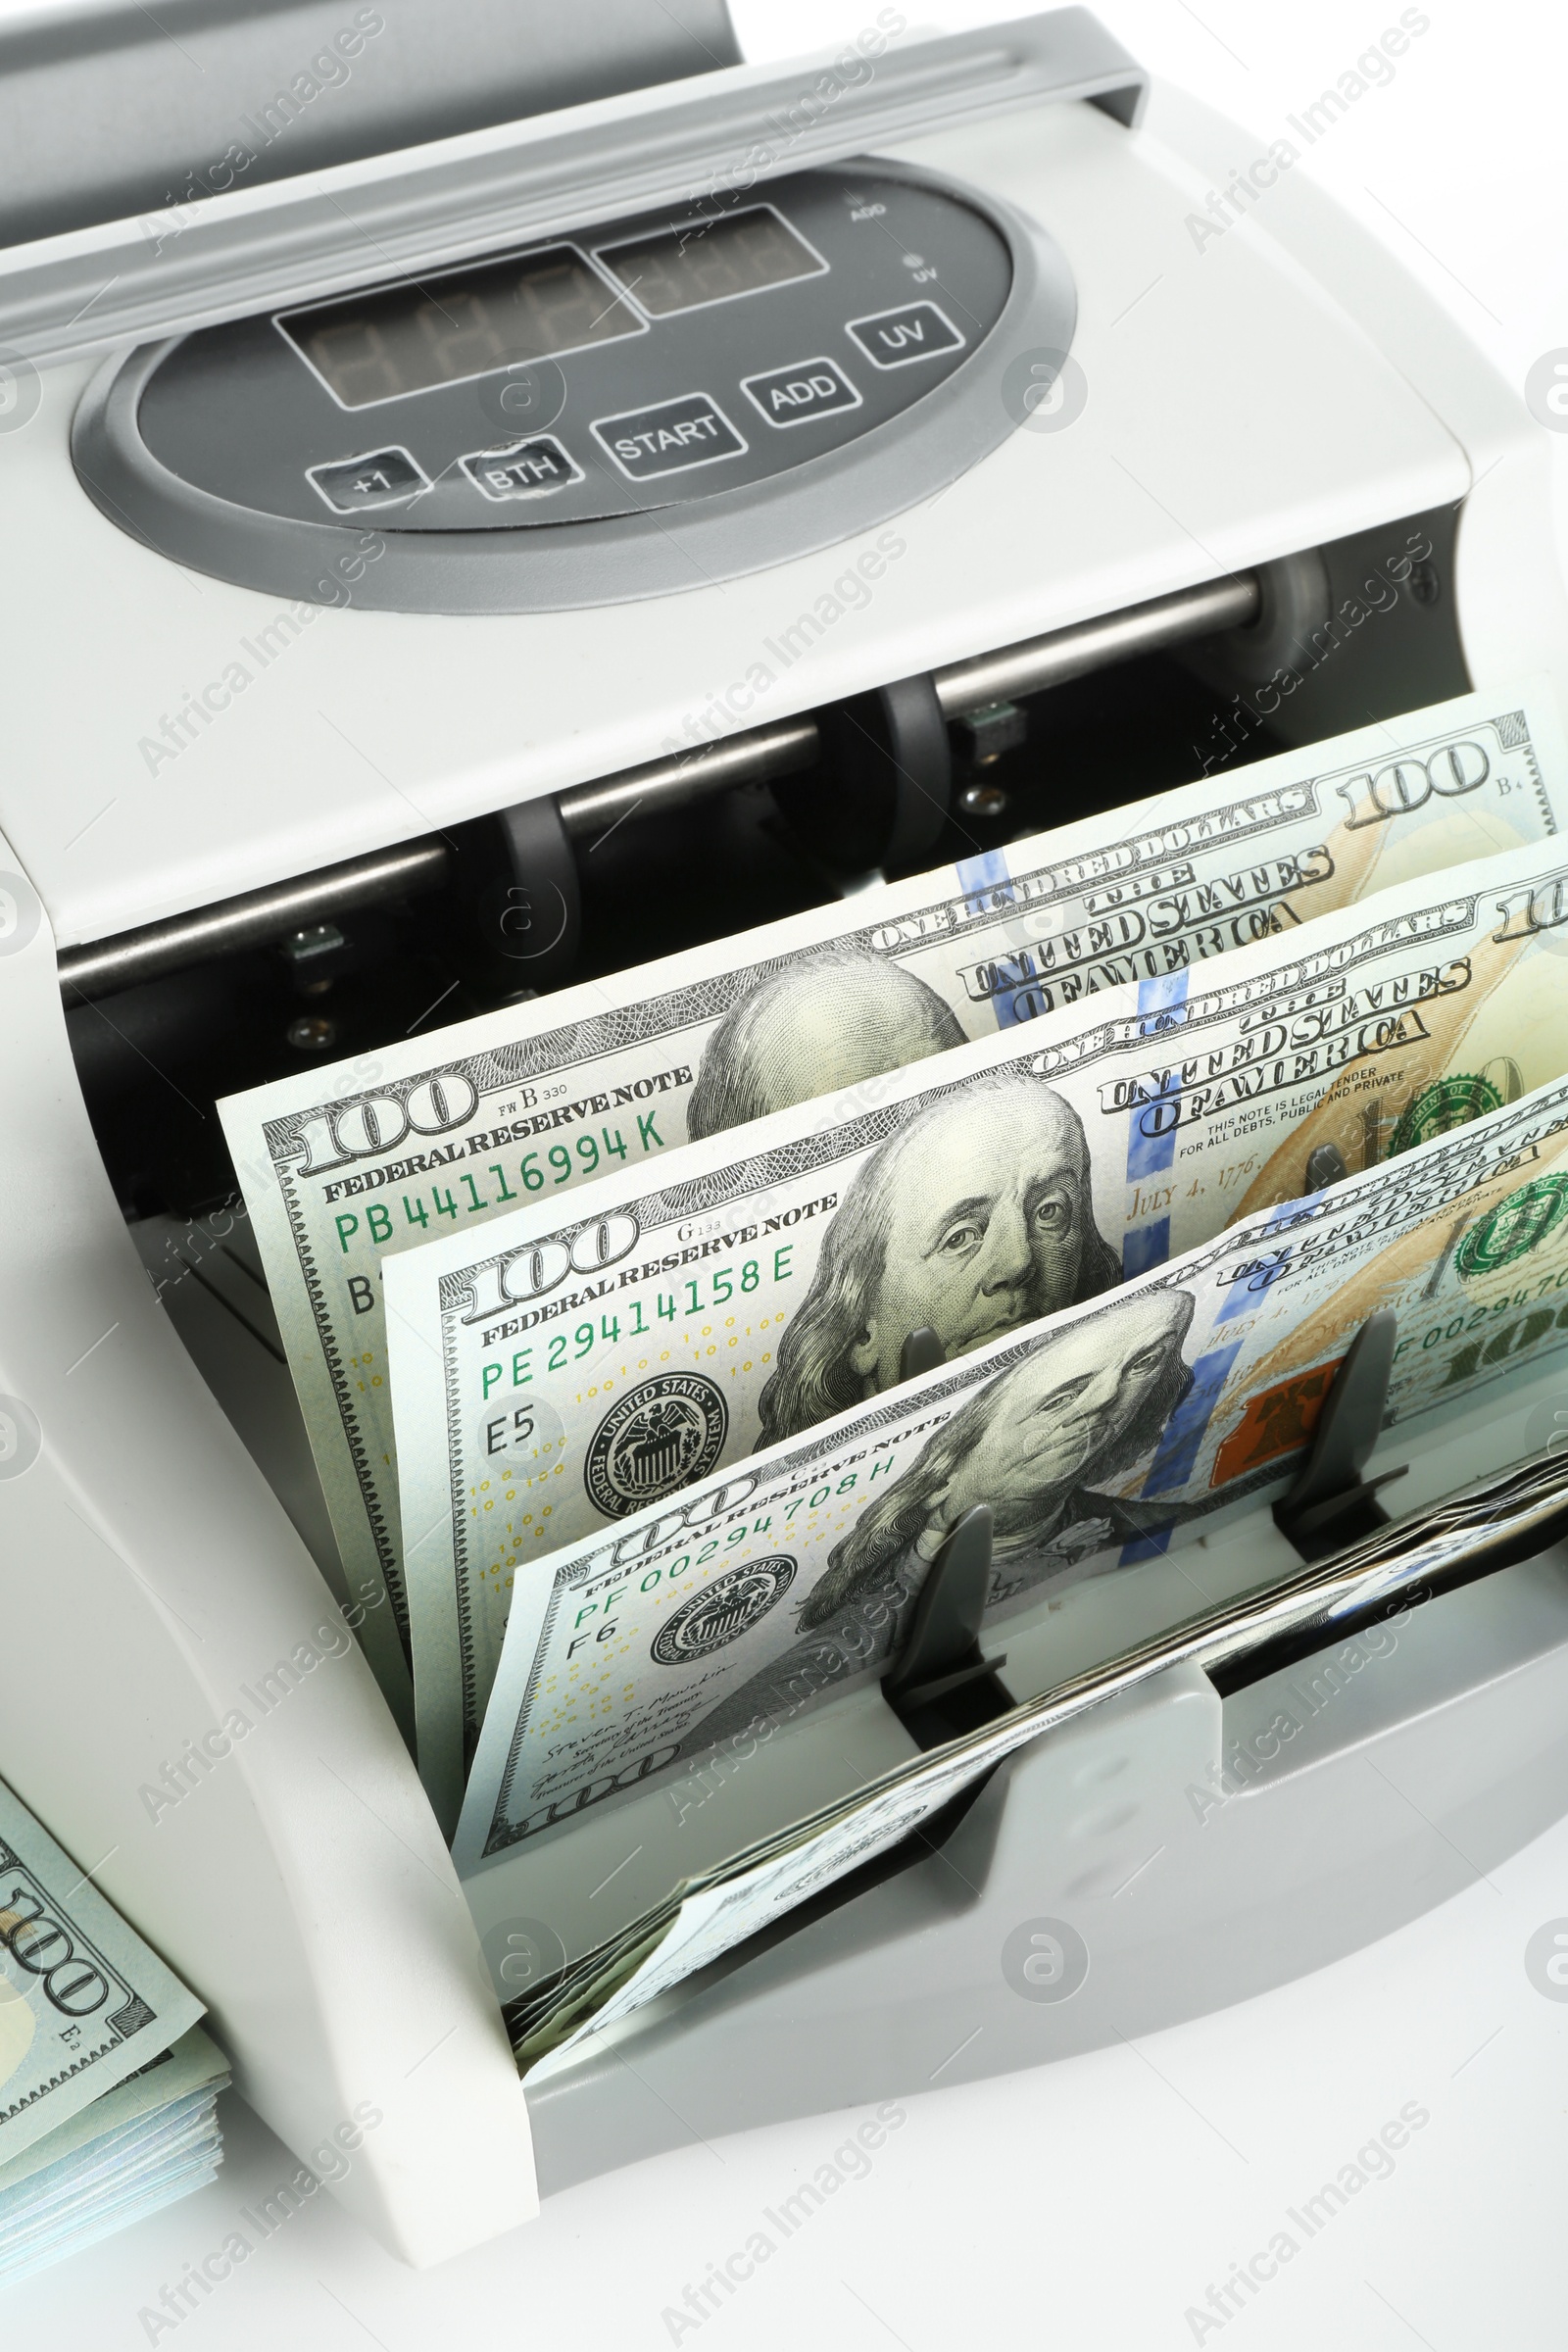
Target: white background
pixel 1089 2204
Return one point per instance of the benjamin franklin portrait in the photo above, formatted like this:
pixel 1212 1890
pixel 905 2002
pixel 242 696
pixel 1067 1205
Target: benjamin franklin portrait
pixel 973 1219
pixel 1039 1444
pixel 829 1020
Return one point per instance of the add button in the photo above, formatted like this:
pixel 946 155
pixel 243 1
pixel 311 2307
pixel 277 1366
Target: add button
pixel 677 434
pixel 789 395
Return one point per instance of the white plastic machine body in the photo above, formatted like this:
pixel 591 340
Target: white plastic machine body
pixel 1281 387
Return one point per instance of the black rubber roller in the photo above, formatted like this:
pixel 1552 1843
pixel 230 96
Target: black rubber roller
pixel 884 787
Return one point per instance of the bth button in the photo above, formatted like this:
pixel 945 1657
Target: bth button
pixel 810 388
pixel 528 469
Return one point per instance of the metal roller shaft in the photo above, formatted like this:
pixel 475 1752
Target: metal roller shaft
pixel 588 811
pixel 250 920
pixel 1050 661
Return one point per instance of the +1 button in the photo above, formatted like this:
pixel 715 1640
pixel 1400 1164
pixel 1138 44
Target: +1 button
pixel 692 430
pixel 380 479
pixel 789 395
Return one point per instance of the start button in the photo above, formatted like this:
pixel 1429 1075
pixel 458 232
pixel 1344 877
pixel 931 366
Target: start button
pixel 692 430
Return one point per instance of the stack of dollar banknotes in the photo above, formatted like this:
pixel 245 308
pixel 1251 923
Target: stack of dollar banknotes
pixel 108 2086
pixel 597 1306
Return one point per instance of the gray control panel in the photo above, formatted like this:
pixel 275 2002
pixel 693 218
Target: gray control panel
pixel 761 374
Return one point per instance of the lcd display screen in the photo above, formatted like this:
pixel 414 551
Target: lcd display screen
pixel 708 261
pixel 442 330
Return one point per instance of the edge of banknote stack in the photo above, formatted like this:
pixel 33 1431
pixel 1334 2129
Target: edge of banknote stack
pixel 108 2086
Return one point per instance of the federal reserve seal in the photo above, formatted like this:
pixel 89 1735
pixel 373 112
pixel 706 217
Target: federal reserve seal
pixel 1438 1109
pixel 724 1609
pixel 659 1437
pixel 1514 1228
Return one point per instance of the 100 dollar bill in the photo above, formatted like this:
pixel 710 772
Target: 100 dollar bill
pixel 577 1361
pixel 83 2003
pixel 1098 1438
pixel 344 1164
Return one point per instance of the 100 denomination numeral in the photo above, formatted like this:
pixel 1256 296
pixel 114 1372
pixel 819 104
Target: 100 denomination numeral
pixel 41 1945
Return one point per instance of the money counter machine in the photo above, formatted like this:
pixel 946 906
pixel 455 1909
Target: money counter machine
pixel 915 447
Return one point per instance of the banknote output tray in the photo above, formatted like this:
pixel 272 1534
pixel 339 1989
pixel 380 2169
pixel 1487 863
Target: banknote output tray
pixel 1191 1843
pixel 940 1684
pixel 1330 488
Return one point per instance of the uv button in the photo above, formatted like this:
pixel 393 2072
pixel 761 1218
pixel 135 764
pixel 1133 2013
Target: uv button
pixel 917 332
pixel 692 430
pixel 790 395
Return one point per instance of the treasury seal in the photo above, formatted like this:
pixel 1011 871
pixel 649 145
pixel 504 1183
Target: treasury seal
pixel 1438 1109
pixel 724 1609
pixel 1514 1228
pixel 659 1437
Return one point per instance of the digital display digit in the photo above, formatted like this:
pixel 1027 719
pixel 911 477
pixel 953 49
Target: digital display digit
pixel 443 330
pixel 706 260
